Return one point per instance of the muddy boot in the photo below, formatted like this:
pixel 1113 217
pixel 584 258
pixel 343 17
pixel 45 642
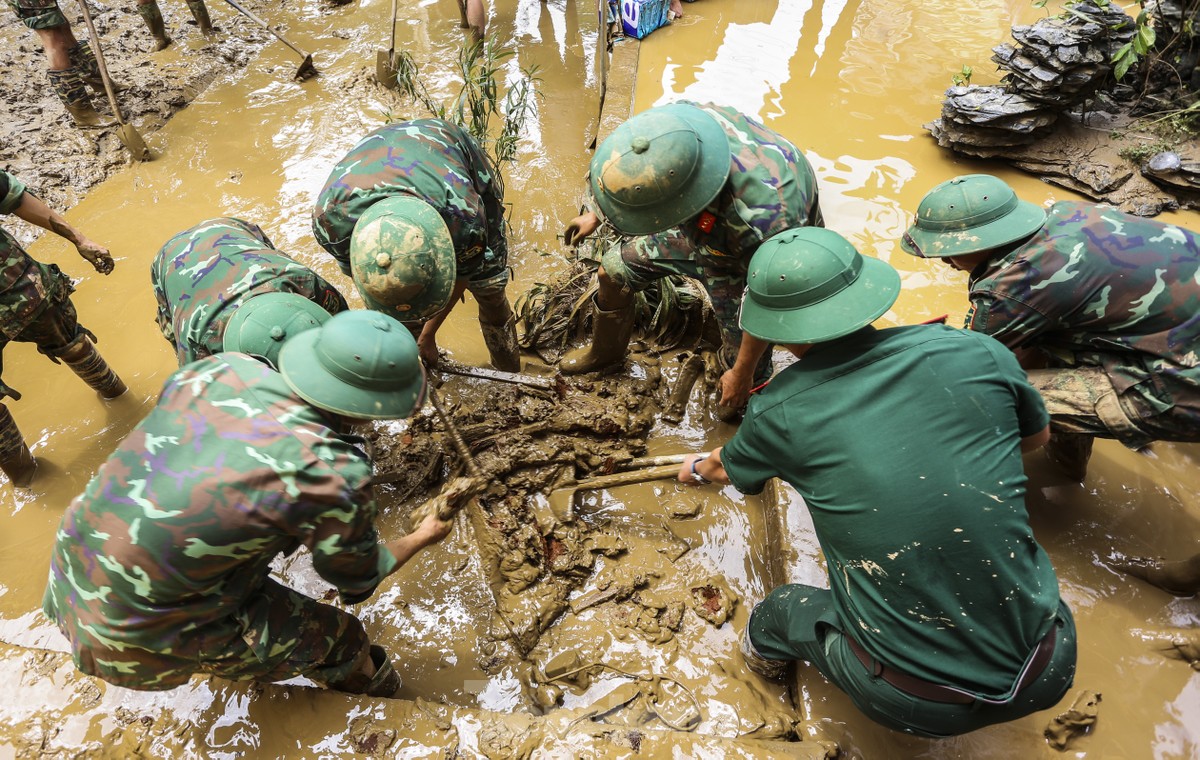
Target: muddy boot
pixel 772 669
pixel 85 361
pixel 611 331
pixel 15 459
pixel 69 87
pixel 501 342
pixel 1179 578
pixel 153 17
pixel 1070 452
pixel 200 13
pixel 385 682
pixel 84 61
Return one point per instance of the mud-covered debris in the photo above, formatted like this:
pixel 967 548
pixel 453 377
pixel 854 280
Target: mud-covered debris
pixel 654 617
pixel 713 600
pixel 606 544
pixel 617 587
pixel 1078 720
pixel 369 738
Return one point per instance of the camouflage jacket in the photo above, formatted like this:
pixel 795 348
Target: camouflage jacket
pixel 771 188
pixel 177 530
pixel 430 159
pixel 1095 286
pixel 26 285
pixel 203 274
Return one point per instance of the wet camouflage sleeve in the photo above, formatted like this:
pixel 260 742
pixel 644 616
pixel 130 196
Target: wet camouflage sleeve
pixel 771 188
pixel 26 285
pixel 429 159
pixel 168 547
pixel 203 274
pixel 1099 287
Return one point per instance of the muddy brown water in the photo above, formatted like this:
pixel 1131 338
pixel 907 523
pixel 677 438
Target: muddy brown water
pixel 851 83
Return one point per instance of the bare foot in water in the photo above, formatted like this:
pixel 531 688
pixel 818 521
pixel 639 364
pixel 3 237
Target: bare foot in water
pixel 1180 578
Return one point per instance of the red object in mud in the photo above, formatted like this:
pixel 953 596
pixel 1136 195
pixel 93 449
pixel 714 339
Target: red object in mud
pixel 706 221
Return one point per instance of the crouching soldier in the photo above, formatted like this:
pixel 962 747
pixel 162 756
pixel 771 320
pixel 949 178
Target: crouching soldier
pixel 415 214
pixel 161 566
pixel 222 286
pixel 35 307
pixel 943 613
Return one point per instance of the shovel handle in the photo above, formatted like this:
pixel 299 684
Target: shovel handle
pixel 264 25
pixel 108 88
pixel 460 446
pixel 392 46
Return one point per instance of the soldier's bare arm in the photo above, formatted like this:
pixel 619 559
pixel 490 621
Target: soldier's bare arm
pixel 430 531
pixel 35 211
pixel 1036 441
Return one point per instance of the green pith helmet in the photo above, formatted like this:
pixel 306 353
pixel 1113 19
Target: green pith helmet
pixel 660 168
pixel 402 259
pixel 359 364
pixel 968 214
pixel 263 322
pixel 809 284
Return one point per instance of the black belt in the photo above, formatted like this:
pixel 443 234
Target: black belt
pixel 932 692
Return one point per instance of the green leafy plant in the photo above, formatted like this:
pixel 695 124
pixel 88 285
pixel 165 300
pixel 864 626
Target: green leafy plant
pixel 963 77
pixel 1136 49
pixel 478 105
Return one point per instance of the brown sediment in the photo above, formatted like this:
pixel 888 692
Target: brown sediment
pixel 1077 720
pixel 713 600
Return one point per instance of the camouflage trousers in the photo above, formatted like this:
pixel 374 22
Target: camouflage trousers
pixel 636 263
pixel 1082 400
pixel 279 634
pixel 54 327
pixel 38 14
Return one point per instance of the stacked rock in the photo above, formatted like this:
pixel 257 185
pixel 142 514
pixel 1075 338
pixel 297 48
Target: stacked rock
pixel 1055 64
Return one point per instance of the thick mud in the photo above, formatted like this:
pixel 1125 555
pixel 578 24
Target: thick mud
pixel 602 623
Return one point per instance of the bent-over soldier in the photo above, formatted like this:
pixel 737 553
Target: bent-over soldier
pixel 222 286
pixel 415 214
pixel 35 307
pixel 161 567
pixel 1101 307
pixel 700 186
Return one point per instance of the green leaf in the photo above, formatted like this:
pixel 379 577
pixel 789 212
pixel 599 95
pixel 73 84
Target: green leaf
pixel 1146 36
pixel 1123 52
pixel 1122 67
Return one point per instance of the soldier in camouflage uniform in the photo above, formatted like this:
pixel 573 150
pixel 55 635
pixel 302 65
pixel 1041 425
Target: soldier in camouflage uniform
pixel 1100 306
pixel 702 186
pixel 72 64
pixel 161 567
pixel 35 307
pixel 214 274
pixel 415 214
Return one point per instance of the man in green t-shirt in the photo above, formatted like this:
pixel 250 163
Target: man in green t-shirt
pixel 943 614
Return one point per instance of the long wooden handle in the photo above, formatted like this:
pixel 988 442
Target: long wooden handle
pixel 108 88
pixel 266 26
pixel 459 444
pixel 660 472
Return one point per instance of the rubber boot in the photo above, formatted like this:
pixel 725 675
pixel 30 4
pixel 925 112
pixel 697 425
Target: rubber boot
pixel 385 683
pixel 1070 452
pixel 85 361
pixel 611 331
pixel 69 87
pixel 501 342
pixel 1178 578
pixel 84 61
pixel 200 13
pixel 15 458
pixel 152 15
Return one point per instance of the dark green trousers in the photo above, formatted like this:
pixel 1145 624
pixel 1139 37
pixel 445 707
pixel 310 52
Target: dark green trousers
pixel 797 622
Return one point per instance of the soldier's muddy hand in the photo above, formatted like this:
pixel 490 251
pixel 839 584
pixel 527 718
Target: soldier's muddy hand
pixel 97 255
pixel 432 530
pixel 735 389
pixel 580 227
pixel 427 347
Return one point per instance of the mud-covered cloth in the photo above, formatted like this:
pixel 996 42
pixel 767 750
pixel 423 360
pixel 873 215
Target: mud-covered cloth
pixel 35 298
pixel 1096 287
pixel 905 445
pixel 203 274
pixel 160 567
pixel 434 161
pixel 771 188
pixel 38 14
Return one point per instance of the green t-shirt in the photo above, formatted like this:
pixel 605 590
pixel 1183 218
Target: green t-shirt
pixel 905 444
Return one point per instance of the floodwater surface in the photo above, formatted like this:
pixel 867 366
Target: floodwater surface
pixel 851 83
